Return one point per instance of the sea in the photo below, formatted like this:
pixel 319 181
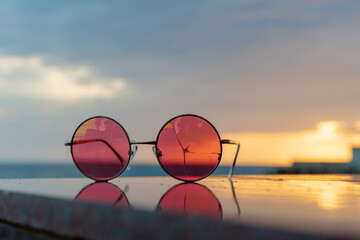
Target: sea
pixel 70 171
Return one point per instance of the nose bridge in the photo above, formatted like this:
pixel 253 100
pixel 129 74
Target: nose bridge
pixel 143 143
pixel 135 147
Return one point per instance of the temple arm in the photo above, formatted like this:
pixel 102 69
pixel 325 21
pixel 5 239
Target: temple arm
pixel 95 140
pixel 228 141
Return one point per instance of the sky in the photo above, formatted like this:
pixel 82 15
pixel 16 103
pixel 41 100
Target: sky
pixel 265 73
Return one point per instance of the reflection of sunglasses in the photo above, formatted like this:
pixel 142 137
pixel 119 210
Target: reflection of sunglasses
pixel 186 198
pixel 102 192
pixel 188 148
pixel 190 198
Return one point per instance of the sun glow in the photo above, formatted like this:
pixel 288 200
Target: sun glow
pixel 329 142
pixel 328 129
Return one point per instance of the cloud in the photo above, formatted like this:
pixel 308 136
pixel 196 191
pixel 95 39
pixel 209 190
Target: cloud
pixel 30 77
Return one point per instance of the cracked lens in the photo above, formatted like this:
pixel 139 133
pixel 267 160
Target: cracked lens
pixel 201 153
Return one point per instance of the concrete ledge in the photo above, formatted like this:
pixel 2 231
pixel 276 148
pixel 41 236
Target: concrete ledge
pixel 69 219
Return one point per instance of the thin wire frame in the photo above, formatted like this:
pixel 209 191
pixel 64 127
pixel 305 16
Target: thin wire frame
pixel 189 115
pixel 155 143
pixel 71 143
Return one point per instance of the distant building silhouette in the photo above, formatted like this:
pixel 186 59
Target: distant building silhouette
pixel 356 158
pixel 321 167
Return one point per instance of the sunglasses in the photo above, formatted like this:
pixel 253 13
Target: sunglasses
pixel 187 147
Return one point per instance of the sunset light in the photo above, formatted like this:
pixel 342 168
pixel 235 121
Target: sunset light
pixel 357 125
pixel 329 142
pixel 328 129
pixel 263 75
pixel 245 113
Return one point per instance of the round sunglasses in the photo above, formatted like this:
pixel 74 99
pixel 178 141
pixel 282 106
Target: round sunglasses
pixel 188 148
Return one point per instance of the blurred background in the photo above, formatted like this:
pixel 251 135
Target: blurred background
pixel 281 77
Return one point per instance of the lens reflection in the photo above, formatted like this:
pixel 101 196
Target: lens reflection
pixel 100 148
pixel 101 192
pixel 192 199
pixel 188 148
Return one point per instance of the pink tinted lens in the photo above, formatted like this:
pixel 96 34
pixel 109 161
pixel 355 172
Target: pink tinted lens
pixel 103 193
pixel 188 148
pixel 191 198
pixel 100 148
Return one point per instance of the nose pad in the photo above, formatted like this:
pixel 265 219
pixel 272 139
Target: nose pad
pixel 157 152
pixel 133 151
pixel 154 150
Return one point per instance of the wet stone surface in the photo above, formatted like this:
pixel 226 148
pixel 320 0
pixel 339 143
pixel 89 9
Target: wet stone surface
pixel 267 206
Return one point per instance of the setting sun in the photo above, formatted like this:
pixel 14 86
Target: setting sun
pixel 328 129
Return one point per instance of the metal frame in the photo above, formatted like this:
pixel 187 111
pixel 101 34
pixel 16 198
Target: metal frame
pixel 72 142
pixel 132 151
pixel 193 115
